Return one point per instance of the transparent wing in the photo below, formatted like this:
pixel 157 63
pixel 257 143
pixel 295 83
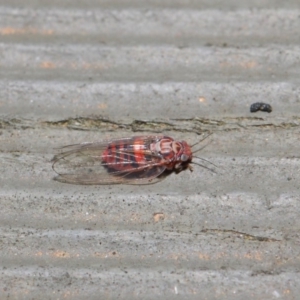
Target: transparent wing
pixel 83 163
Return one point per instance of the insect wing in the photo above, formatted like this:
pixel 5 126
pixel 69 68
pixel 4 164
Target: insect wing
pixel 83 163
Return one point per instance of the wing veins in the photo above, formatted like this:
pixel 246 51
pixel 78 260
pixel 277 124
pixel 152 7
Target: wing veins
pixel 81 156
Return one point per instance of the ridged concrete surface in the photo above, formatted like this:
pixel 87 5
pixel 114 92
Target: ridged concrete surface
pixel 78 71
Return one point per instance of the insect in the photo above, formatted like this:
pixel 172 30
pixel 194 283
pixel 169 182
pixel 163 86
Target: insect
pixel 260 106
pixel 133 160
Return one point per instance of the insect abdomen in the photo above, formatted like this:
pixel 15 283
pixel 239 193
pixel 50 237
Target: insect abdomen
pixel 125 156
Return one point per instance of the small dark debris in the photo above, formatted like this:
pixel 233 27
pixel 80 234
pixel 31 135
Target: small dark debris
pixel 260 106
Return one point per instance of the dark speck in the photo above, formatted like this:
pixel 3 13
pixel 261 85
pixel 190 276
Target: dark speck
pixel 260 106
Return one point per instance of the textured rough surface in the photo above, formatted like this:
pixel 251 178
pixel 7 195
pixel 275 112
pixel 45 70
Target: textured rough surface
pixel 79 71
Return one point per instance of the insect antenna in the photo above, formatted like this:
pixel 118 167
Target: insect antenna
pixel 210 133
pixel 199 149
pixel 205 167
pixel 200 142
pixel 205 160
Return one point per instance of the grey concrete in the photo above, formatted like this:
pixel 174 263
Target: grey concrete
pixel 77 72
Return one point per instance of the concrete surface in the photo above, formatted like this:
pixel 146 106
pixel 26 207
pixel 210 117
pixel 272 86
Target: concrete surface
pixel 82 71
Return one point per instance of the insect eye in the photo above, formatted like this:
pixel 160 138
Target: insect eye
pixel 184 157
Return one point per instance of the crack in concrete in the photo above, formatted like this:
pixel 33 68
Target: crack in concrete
pixel 242 235
pixel 196 125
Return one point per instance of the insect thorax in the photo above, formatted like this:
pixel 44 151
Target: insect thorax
pixel 167 148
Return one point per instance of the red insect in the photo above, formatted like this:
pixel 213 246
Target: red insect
pixel 135 160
